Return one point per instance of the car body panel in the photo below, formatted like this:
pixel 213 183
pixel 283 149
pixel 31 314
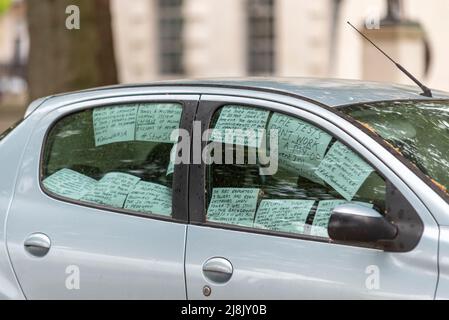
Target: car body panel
pixel 271 267
pixel 27 210
pixel 10 158
pixel 330 92
pixel 443 282
pixel 117 256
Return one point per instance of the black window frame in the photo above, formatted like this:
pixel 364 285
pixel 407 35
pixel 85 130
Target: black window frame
pixel 395 202
pixel 181 173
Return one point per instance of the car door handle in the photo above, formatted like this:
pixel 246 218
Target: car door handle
pixel 218 270
pixel 37 244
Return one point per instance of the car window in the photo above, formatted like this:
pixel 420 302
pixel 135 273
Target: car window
pixel 418 130
pixel 115 156
pixel 314 173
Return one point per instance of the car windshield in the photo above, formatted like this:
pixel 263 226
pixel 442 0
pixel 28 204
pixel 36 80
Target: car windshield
pixel 419 130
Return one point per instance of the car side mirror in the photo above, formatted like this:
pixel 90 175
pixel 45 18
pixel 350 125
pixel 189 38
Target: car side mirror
pixel 352 222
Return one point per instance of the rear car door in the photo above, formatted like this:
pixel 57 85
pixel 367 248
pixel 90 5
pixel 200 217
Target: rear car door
pixel 259 230
pixel 100 210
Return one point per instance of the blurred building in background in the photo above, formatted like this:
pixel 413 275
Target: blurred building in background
pixel 13 48
pixel 159 39
pixel 165 39
pixel 13 62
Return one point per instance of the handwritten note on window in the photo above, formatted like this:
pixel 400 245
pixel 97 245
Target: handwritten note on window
pixel 301 146
pixel 235 206
pixel 283 215
pixel 235 121
pixel 114 124
pixel 150 198
pixel 112 189
pixel 156 122
pixel 323 214
pixel 69 184
pixel 343 170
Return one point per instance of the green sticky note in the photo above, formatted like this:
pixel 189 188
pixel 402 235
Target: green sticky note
pixel 114 124
pixel 323 214
pixel 150 198
pixel 235 206
pixel 241 126
pixel 343 170
pixel 112 189
pixel 69 184
pixel 301 146
pixel 283 215
pixel 157 122
pixel 171 164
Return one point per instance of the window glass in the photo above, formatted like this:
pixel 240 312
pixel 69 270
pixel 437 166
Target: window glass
pixel 314 173
pixel 418 130
pixel 116 156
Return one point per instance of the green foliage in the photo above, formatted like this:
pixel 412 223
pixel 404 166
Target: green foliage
pixel 4 5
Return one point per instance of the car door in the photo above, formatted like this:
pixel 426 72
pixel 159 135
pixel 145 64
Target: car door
pixel 259 230
pixel 100 209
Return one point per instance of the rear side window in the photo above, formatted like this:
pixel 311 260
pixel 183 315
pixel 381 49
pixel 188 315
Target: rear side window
pixel 115 157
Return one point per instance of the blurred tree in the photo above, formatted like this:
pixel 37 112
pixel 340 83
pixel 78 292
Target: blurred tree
pixel 64 60
pixel 4 5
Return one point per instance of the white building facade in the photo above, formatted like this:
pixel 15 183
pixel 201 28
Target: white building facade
pixel 163 39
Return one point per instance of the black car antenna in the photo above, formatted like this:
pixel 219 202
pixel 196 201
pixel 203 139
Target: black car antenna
pixel 426 91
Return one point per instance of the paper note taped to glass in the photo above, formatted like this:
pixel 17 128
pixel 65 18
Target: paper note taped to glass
pixel 69 184
pixel 240 126
pixel 323 214
pixel 157 122
pixel 112 189
pixel 343 170
pixel 114 124
pixel 301 146
pixel 150 198
pixel 235 206
pixel 140 122
pixel 283 215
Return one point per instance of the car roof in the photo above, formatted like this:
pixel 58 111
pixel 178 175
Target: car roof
pixel 329 92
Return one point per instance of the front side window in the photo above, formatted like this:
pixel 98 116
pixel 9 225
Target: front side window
pixel 115 156
pixel 314 173
pixel 418 130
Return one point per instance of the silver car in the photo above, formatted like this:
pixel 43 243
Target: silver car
pixel 235 189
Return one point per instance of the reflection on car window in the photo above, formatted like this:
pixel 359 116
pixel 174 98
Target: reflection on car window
pixel 117 156
pixel 315 173
pixel 419 131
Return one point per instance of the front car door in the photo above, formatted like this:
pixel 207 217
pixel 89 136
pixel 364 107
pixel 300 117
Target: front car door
pixel 262 234
pixel 100 210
